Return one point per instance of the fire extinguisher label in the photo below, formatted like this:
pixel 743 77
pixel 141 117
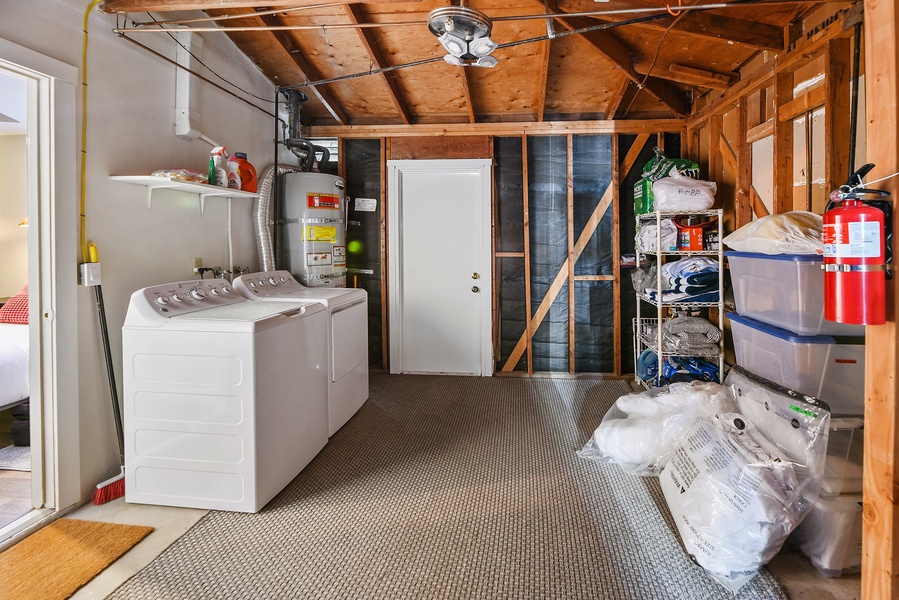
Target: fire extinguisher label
pixel 852 240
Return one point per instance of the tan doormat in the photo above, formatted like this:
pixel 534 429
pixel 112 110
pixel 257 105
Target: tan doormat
pixel 60 558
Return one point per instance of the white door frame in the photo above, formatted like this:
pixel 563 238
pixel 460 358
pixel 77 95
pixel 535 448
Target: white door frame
pixel 52 250
pixel 396 168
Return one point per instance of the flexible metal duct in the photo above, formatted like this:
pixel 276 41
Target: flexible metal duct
pixel 262 216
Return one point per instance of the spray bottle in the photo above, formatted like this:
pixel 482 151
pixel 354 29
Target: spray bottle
pixel 217 174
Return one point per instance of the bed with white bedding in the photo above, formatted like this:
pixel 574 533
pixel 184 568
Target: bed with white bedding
pixel 13 364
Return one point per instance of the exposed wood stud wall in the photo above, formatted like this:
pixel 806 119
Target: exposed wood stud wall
pixel 743 170
pixel 837 81
pixel 783 145
pixel 569 236
pixel 385 331
pixel 529 326
pixel 616 254
pixel 880 541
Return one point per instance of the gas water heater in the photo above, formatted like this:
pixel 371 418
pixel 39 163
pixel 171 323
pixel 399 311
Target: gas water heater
pixel 311 236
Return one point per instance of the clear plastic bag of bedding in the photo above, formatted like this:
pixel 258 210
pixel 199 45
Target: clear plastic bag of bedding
pixel 641 430
pixel 740 482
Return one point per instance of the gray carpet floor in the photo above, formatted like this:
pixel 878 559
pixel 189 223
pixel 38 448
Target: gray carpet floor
pixel 443 488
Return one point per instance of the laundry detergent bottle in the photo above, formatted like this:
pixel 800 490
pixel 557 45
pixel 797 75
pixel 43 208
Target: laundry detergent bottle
pixel 246 171
pixel 233 174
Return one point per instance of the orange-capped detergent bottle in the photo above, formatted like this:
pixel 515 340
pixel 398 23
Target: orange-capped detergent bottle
pixel 247 172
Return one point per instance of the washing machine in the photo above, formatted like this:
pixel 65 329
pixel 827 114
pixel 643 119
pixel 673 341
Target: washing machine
pixel 347 335
pixel 225 400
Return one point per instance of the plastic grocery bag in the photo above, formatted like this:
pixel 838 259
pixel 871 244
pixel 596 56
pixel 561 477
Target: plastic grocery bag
pixel 794 232
pixel 641 430
pixel 678 192
pixel 740 482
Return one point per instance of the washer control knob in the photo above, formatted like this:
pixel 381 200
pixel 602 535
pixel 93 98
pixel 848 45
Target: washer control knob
pixel 252 284
pixel 214 291
pixel 273 281
pixel 226 290
pixel 198 294
pixel 283 279
pixel 162 300
pixel 261 283
pixel 177 297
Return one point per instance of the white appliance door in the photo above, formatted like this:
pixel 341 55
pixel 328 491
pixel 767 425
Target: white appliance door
pixel 346 325
pixel 440 271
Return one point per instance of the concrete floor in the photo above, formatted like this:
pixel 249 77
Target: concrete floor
pixel 799 578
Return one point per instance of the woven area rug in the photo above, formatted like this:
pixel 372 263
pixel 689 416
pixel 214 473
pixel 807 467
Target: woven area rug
pixel 15 458
pixel 443 488
pixel 60 558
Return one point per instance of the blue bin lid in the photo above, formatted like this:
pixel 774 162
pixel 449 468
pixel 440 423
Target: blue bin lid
pixel 783 334
pixel 790 257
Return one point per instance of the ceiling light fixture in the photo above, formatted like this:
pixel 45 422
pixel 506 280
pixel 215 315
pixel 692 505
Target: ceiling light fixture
pixel 465 34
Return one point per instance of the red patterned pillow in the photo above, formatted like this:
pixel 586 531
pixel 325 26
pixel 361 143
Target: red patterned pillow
pixel 16 308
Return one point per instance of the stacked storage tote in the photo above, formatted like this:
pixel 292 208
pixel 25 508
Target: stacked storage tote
pixel 780 333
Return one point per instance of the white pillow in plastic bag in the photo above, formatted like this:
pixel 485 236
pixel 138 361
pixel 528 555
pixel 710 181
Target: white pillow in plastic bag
pixel 647 236
pixel 794 232
pixel 678 192
pixel 641 430
pixel 734 496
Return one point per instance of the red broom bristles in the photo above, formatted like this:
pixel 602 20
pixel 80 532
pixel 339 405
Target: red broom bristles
pixel 110 489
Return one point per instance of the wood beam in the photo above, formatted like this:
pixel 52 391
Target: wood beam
pixel 544 77
pixel 783 145
pixel 503 129
pixel 466 91
pixel 307 70
pixel 357 15
pixel 758 207
pixel 616 255
pixel 528 324
pixel 760 132
pixel 814 41
pixel 701 77
pixel 743 207
pixel 837 74
pixel 800 105
pixel 607 45
pixel 132 6
pixel 880 517
pixel 570 259
pixel 621 99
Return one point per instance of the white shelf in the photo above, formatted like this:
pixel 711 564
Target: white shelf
pixel 202 190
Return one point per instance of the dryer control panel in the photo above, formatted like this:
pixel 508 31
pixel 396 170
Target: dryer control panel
pixel 267 284
pixel 178 298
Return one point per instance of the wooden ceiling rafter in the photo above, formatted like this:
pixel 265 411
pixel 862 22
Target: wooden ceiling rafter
pixel 466 90
pixel 544 79
pixel 307 70
pixel 609 46
pixel 621 99
pixel 357 15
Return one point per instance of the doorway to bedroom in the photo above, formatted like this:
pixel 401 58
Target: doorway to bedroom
pixel 16 498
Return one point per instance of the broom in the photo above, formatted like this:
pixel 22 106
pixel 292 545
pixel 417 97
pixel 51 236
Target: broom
pixel 115 486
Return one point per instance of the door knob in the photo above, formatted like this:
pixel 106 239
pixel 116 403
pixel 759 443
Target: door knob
pixel 475 289
pixel 475 275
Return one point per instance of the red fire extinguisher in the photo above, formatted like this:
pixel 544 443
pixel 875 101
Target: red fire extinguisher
pixel 855 254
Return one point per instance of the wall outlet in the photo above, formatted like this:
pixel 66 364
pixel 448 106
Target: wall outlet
pixel 198 262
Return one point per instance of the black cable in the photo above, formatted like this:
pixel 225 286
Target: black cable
pixel 853 110
pixel 208 68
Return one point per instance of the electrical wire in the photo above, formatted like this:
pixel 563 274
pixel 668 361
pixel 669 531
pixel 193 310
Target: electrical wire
pixel 593 13
pixel 211 70
pixel 258 13
pixel 195 74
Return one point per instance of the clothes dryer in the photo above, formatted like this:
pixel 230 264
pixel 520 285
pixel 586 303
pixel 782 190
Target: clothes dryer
pixel 225 399
pixel 347 335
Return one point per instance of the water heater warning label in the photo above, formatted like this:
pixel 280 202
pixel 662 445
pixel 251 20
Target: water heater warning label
pixel 318 259
pixel 319 233
pixel 326 201
pixel 339 256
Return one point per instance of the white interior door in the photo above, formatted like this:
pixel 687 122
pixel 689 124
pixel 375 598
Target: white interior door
pixel 439 274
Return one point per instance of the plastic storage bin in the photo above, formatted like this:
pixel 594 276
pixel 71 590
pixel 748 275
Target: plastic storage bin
pixel 786 290
pixel 845 453
pixel 831 535
pixel 820 365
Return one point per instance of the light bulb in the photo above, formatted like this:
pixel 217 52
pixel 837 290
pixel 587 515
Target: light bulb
pixel 482 46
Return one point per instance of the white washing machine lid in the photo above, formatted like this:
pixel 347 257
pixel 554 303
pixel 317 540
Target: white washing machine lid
pixel 249 311
pixel 283 287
